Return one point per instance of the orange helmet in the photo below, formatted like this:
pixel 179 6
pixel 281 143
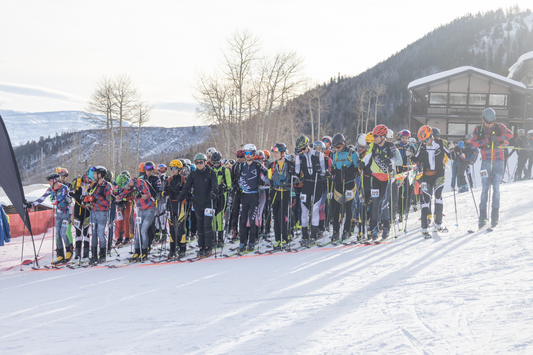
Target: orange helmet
pixel 63 172
pixel 424 132
pixel 141 168
pixel 267 154
pixel 58 169
pixel 380 130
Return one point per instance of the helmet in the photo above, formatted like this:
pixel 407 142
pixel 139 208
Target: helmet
pixel 216 157
pixel 231 161
pixel 54 177
pixel 58 169
pixel 162 168
pixel 141 168
pixel 279 147
pixel 122 180
pixel 200 156
pixel 125 172
pixel 188 162
pixel 100 170
pixel 461 144
pixel 108 176
pixel 489 115
pixel 469 136
pixel 267 153
pixel 302 142
pixel 369 138
pixel 210 151
pixel 361 140
pixel 436 132
pixel 240 153
pixel 424 132
pixel 521 132
pixel 319 144
pixel 250 147
pixel 149 165
pixel 224 161
pixel 338 138
pixel 290 157
pixel 63 172
pixel 380 130
pixel 405 133
pixel 259 155
pixel 193 167
pixel 327 139
pixel 390 133
pixel 176 164
pixel 412 140
pixel 530 132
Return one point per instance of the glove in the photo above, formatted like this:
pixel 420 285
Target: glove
pixel 493 139
pixel 27 204
pixel 88 199
pixel 408 152
pixel 54 202
pixel 296 180
pixel 212 195
pixel 462 156
pixel 136 193
pixel 361 165
pixel 180 199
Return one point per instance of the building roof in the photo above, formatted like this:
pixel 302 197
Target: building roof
pixel 523 58
pixel 463 71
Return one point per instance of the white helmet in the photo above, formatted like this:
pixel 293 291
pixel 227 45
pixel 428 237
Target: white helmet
pixel 361 140
pixel 530 132
pixel 249 147
pixel 210 151
pixel 412 140
pixel 390 133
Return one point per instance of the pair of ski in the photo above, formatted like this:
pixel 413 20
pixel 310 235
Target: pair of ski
pixel 427 235
pixel 487 227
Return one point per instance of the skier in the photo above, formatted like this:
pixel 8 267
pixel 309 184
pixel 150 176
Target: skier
pixel 431 156
pixel 178 211
pixel 406 150
pixel 59 195
pixel 204 182
pixel 155 188
pixel 236 191
pixel 523 148
pixel 489 137
pixel 82 216
pixel 138 189
pixel 63 173
pixel 100 199
pixel 320 147
pixel 252 177
pixel 344 172
pixel 379 162
pixel 224 185
pixel 124 208
pixel 280 176
pixel 160 216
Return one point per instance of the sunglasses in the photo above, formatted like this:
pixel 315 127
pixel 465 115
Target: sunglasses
pixel 215 162
pixel 338 147
pixel 199 162
pixel 248 153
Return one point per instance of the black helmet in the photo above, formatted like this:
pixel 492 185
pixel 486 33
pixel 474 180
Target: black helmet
pixel 279 147
pixel 100 170
pixel 489 115
pixel 436 132
pixel 149 165
pixel 216 157
pixel 337 139
pixel 302 142
pixel 53 176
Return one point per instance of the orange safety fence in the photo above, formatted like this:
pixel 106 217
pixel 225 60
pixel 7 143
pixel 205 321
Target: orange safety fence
pixel 38 223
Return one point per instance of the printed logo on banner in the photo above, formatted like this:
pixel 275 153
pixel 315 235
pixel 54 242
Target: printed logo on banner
pixel 484 173
pixel 349 194
pixel 303 197
pixel 374 193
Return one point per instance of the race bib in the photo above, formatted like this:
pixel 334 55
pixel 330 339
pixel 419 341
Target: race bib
pixel 64 223
pixel 119 216
pixel 484 173
pixel 330 195
pixel 192 208
pixel 374 193
pixel 168 214
pixel 77 224
pixel 424 186
pixel 209 212
pixel 349 194
pixel 303 197
pixel 138 220
pixel 361 198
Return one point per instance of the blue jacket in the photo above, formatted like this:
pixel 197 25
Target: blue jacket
pixel 5 234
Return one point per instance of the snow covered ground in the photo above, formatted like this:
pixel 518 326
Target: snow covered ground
pixel 457 293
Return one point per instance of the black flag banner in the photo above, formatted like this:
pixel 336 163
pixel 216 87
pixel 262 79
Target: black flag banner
pixel 10 176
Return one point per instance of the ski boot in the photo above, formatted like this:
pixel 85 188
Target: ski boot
pixel 94 256
pixel 482 218
pixel 425 233
pixel 335 236
pixel 68 255
pixel 136 256
pixel 120 239
pixel 235 234
pixel 200 253
pixel 101 258
pixel 207 252
pixel 60 257
pixel 181 254
pixel 171 254
pixel 78 251
pixel 242 247
pixel 251 246
pixel 495 217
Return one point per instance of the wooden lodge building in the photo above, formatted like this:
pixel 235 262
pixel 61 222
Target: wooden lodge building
pixel 454 100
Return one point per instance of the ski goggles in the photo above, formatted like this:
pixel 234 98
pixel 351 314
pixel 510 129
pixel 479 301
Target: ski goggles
pixel 148 167
pixel 248 153
pixel 325 140
pixel 199 162
pixel 174 168
pixel 404 133
pixel 277 149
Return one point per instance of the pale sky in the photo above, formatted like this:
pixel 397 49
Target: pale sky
pixel 53 52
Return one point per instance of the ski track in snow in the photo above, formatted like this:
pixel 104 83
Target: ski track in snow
pixel 457 293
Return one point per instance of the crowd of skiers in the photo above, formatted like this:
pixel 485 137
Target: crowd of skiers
pixel 361 190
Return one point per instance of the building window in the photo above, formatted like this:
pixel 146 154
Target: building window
pixel 457 99
pixel 438 98
pixel 471 126
pixel 497 100
pixel 477 99
pixel 456 129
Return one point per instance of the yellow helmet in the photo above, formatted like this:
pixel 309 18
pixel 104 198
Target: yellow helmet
pixel 176 163
pixel 369 137
pixel 58 169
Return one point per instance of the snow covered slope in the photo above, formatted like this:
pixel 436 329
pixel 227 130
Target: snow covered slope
pixel 457 293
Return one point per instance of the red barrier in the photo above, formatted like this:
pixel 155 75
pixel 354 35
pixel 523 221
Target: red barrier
pixel 38 223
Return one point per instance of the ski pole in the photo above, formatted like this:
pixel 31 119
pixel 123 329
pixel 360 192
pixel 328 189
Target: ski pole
pixel 23 230
pixel 46 230
pixel 455 203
